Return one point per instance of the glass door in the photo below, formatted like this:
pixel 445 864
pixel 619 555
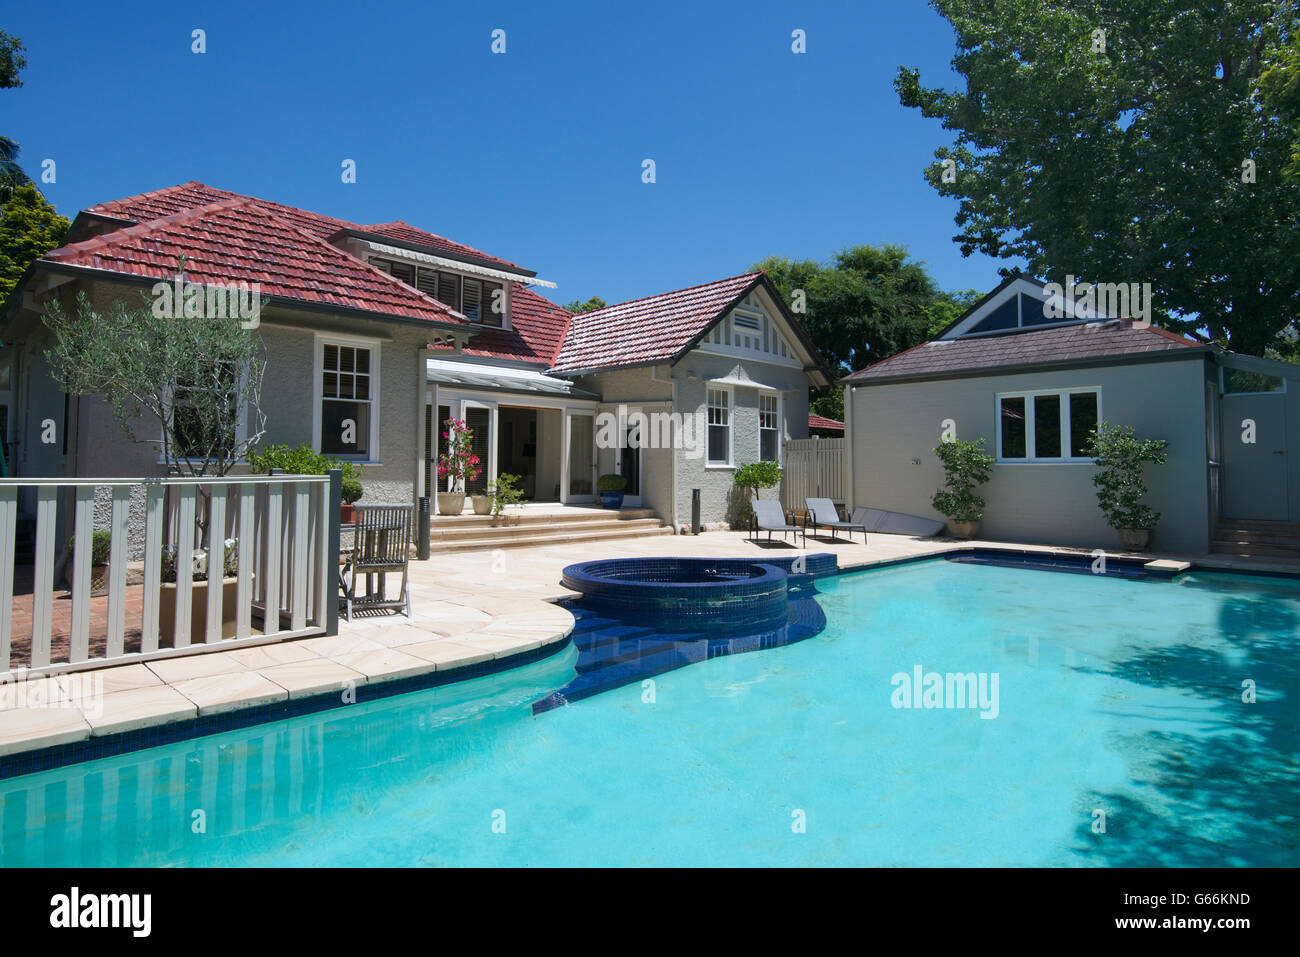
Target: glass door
pixel 581 459
pixel 629 456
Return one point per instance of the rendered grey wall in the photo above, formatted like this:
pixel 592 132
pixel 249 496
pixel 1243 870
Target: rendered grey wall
pixel 1049 504
pixel 720 502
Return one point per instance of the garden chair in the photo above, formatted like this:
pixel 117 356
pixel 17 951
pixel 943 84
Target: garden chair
pixel 769 517
pixel 823 514
pixel 380 538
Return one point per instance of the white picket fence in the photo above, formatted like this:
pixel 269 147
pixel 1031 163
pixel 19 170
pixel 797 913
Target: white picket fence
pixel 812 468
pixel 286 532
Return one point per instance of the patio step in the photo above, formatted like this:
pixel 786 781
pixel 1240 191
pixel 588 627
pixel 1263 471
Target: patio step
pixel 543 533
pixel 516 517
pixel 1257 538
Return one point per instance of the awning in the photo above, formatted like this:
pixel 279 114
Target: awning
pixel 456 264
pixel 734 380
pixel 477 375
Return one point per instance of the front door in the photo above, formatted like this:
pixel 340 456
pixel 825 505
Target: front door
pixel 1254 457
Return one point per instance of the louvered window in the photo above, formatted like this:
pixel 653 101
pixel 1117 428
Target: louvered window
pixel 472 301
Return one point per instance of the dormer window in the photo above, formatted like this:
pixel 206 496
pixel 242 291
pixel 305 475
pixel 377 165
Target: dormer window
pixel 478 300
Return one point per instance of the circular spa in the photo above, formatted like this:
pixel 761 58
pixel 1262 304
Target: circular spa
pixel 684 594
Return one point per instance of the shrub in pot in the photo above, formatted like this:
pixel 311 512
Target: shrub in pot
pixel 198 594
pixel 100 545
pixel 1121 457
pixel 351 491
pixel 965 468
pixel 609 489
pixel 505 491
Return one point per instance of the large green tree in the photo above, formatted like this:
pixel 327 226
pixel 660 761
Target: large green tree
pixel 29 228
pixel 1127 142
pixel 866 304
pixel 11 64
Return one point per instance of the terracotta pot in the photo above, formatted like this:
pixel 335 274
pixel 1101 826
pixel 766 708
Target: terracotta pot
pixel 198 612
pixel 482 504
pixel 963 529
pixel 1135 539
pixel 347 513
pixel 451 503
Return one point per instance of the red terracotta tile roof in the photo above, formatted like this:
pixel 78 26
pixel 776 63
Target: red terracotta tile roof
pixel 537 329
pixel 653 329
pixel 238 238
pixel 405 232
pixel 824 423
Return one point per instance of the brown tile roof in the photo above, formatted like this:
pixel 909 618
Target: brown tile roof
pixel 653 329
pixel 1061 344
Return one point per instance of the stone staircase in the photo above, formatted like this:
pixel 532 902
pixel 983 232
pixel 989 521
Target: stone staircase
pixel 518 527
pixel 1257 539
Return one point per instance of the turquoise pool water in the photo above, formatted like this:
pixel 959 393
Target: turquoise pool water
pixel 1116 696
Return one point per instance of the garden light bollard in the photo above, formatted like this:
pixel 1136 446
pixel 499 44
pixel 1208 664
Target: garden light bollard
pixel 422 529
pixel 695 512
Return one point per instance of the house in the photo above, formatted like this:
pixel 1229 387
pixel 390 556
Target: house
pixel 394 330
pixel 1032 383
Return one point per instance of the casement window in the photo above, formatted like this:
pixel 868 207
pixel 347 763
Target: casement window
pixel 719 427
pixel 769 427
pixel 479 300
pixel 1047 426
pixel 347 401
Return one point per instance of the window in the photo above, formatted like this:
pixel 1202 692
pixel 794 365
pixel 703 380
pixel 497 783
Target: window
pixel 1047 426
pixel 769 427
pixel 206 429
pixel 719 403
pixel 1245 382
pixel 479 300
pixel 348 412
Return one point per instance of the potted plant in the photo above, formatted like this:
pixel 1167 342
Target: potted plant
pixel 965 467
pixel 1120 459
pixel 505 491
pixel 350 490
pixel 609 489
pixel 458 463
pixel 99 550
pixel 198 595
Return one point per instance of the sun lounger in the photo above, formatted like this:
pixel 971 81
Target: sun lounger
pixel 823 514
pixel 769 517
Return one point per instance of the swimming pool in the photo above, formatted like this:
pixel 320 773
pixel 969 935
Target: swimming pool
pixel 1113 695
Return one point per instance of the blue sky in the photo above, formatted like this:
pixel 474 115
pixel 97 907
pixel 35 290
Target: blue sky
pixel 535 155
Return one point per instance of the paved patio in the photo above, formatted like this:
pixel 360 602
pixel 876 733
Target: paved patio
pixel 467 609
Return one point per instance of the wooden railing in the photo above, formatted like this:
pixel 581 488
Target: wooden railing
pixel 286 531
pixel 812 468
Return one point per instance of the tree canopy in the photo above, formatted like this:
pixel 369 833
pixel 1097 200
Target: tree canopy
pixel 12 61
pixel 867 304
pixel 1129 142
pixel 591 305
pixel 29 228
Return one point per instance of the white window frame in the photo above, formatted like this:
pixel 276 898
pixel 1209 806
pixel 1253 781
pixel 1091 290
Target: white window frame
pixel 241 425
pixel 1064 395
pixel 731 426
pixel 320 341
pixel 778 412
